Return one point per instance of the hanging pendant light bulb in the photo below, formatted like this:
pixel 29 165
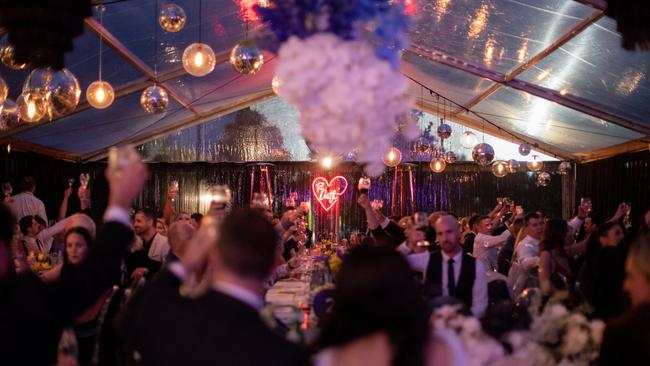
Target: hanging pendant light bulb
pixel 438 165
pixel 198 58
pixel 31 107
pixel 500 168
pixel 7 58
pixel 4 90
pixel 468 140
pixel 393 157
pixel 100 94
pixel 536 164
pixel 275 85
pixel 513 166
pixel 172 18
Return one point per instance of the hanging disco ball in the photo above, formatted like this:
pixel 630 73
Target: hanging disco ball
pixel 536 164
pixel 246 58
pixel 500 168
pixel 513 166
pixel 393 157
pixel 444 131
pixel 565 167
pixel 544 179
pixel 468 140
pixel 199 59
pixel 524 149
pixel 7 58
pixel 483 154
pixel 59 88
pixel 154 99
pixel 450 157
pixel 8 115
pixel 172 18
pixel 4 90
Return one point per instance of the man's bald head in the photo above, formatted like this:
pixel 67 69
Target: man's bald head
pixel 448 234
pixel 179 234
pixel 82 221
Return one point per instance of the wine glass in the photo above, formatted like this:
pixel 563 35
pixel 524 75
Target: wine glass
pixel 173 188
pixel 84 179
pixel 70 182
pixel 221 194
pixel 119 157
pixel 7 188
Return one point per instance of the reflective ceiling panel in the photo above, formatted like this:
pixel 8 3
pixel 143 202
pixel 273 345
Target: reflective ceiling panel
pixel 497 34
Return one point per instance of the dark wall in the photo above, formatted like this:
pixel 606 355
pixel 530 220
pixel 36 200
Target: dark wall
pixel 623 178
pixel 462 188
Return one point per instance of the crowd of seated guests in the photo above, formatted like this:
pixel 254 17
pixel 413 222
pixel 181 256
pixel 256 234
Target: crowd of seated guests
pixel 175 289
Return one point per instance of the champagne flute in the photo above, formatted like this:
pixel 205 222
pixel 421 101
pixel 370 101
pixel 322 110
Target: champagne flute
pixel 7 189
pixel 84 179
pixel 364 185
pixel 173 188
pixel 221 194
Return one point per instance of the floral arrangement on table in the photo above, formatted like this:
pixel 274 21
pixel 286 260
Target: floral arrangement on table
pixel 338 63
pixel 39 262
pixel 556 337
pixel 329 256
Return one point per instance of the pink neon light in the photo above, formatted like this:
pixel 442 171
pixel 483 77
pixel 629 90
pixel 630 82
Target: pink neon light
pixel 324 192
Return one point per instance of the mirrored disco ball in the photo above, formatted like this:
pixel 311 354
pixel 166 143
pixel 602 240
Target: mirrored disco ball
pixel 58 88
pixel 565 167
pixel 544 179
pixel 524 149
pixel 483 154
pixel 444 131
pixel 246 58
pixel 154 99
pixel 172 18
pixel 450 157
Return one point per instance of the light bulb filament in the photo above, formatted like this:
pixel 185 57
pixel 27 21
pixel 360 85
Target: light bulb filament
pixel 198 59
pixel 100 95
pixel 31 109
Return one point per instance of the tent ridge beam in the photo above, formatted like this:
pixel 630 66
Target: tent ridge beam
pixel 567 100
pixel 566 37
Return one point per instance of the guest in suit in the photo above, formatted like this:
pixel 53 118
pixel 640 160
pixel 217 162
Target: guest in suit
pixel 627 339
pixel 222 326
pixel 450 272
pixel 180 233
pixel 32 312
pixel 151 250
pixel 383 230
pixel 378 317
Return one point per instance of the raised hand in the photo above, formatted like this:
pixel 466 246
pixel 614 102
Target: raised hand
pixel 126 184
pixel 363 200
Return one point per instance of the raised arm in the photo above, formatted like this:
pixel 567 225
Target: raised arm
pixel 64 204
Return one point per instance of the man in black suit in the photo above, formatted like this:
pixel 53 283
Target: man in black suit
pixel 33 313
pixel 222 326
pixel 450 272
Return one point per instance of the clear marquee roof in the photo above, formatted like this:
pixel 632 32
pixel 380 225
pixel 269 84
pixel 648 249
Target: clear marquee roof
pixel 551 72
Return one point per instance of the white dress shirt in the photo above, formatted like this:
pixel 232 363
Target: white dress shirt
pixel 25 204
pixel 485 248
pixel 403 248
pixel 528 252
pixel 420 262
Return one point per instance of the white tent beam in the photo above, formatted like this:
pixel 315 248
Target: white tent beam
pixel 566 37
pixel 608 152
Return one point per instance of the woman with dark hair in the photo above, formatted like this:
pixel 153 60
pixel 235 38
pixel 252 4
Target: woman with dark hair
pixel 604 271
pixel 554 270
pixel 378 317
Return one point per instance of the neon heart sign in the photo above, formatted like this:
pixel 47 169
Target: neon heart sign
pixel 327 193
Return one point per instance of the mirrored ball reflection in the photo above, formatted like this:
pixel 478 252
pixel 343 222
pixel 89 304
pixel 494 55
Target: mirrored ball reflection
pixel 172 18
pixel 246 58
pixel 154 99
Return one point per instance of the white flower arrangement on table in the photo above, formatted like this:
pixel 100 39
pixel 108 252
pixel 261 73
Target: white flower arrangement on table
pixel 556 337
pixel 338 64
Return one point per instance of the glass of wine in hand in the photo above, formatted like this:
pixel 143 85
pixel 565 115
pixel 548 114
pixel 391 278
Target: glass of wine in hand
pixel 70 182
pixel 173 189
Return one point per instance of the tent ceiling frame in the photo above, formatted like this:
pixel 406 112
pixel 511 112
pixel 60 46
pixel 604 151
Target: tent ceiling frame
pixel 499 132
pixel 135 61
pixel 567 100
pixel 217 112
pixel 566 37
pixel 597 4
pixel 608 152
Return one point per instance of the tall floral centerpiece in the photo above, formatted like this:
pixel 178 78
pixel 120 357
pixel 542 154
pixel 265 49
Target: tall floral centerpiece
pixel 338 63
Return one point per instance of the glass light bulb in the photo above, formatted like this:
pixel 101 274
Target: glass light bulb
pixel 199 59
pixel 536 164
pixel 31 107
pixel 275 85
pixel 100 94
pixel 393 157
pixel 327 162
pixel 500 168
pixel 468 140
pixel 438 165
